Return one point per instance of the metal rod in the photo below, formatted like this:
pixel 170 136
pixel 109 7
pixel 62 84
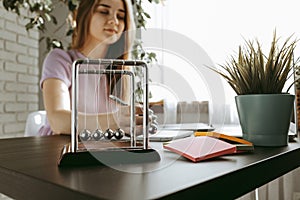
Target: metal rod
pixel 113 62
pixel 105 71
pixel 146 108
pixel 132 113
pixel 74 117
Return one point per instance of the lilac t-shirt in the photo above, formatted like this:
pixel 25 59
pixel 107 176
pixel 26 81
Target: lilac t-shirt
pixel 92 88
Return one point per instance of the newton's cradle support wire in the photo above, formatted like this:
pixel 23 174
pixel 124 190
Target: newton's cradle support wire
pixel 72 155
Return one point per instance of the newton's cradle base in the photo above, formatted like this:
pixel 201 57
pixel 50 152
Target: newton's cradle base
pixel 110 153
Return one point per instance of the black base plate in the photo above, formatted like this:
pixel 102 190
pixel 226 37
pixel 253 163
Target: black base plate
pixel 111 156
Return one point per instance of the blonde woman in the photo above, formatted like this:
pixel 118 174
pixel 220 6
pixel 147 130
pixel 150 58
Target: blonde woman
pixel 103 30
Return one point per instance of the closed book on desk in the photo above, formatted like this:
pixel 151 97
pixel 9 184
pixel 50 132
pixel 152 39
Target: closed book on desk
pixel 200 148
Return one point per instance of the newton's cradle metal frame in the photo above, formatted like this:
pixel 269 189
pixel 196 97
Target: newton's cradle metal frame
pixel 71 155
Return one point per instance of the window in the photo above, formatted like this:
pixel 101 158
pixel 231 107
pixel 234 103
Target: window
pixel 219 27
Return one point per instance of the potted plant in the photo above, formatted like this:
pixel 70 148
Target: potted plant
pixel 264 109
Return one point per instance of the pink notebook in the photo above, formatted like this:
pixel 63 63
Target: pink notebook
pixel 200 148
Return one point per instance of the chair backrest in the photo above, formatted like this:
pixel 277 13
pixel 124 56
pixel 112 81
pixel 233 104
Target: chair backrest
pixel 193 112
pixel 34 122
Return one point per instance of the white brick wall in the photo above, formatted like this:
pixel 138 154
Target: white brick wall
pixel 19 73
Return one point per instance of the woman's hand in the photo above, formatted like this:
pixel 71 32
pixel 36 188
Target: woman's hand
pixel 122 117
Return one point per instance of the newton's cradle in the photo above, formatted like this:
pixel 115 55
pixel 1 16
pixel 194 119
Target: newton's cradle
pixel 97 146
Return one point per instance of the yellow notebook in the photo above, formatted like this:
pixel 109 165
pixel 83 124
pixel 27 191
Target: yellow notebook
pixel 241 144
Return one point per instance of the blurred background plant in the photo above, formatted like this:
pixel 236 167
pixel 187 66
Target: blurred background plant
pixel 39 12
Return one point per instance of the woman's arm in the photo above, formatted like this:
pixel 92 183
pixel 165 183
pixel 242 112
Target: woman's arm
pixel 58 105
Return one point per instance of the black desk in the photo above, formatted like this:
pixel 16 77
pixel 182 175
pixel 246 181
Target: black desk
pixel 28 170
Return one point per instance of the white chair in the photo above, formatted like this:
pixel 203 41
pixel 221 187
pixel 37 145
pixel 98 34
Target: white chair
pixel 34 122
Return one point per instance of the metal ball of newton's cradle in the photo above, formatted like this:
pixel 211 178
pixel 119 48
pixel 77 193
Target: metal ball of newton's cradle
pixel 108 134
pixel 84 135
pixel 97 134
pixel 119 133
pixel 153 129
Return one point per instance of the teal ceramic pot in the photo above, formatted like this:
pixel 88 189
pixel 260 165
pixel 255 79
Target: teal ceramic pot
pixel 265 118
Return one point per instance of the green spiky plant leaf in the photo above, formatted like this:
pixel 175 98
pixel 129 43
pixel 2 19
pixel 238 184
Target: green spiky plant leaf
pixel 252 72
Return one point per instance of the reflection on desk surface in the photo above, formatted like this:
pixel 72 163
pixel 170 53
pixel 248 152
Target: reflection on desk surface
pixel 236 130
pixel 187 127
pixel 167 135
